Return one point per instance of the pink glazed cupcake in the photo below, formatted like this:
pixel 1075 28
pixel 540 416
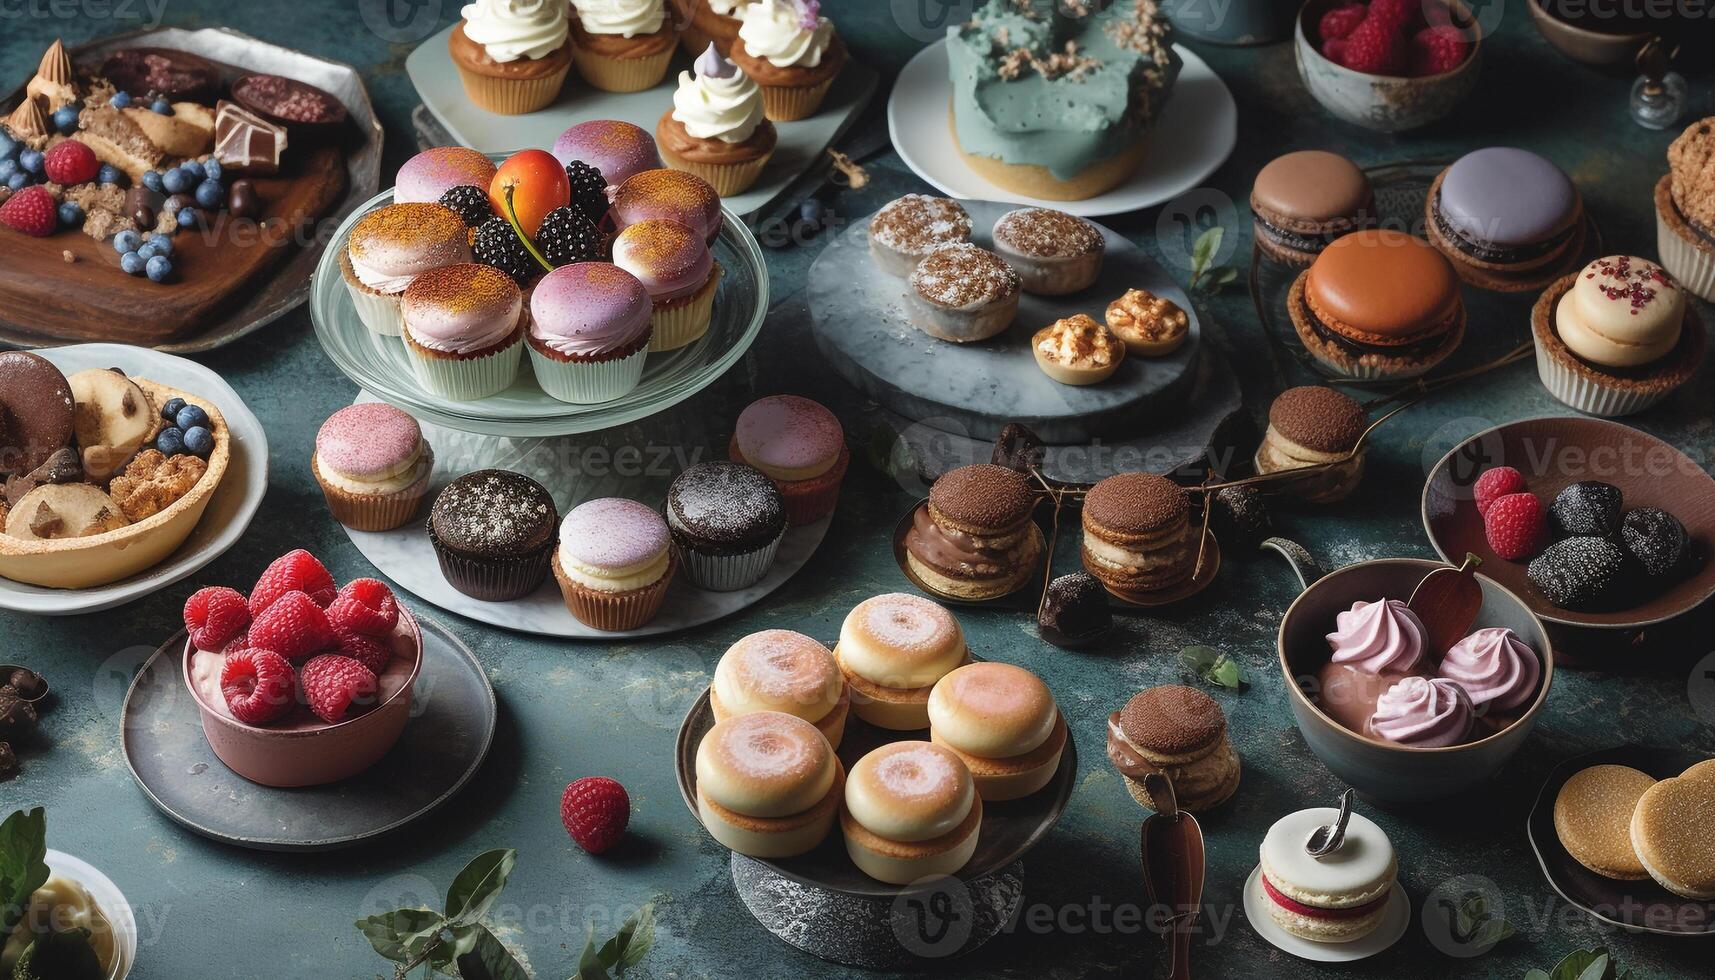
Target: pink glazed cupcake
pixel 390 247
pixel 589 332
pixel 673 195
pixel 433 172
pixel 674 264
pixel 614 563
pixel 799 445
pixel 373 466
pixel 464 331
pixel 618 149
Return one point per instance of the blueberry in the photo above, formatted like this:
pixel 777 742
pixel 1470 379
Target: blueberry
pixel 161 107
pixel 163 244
pixel 120 100
pixel 127 241
pixel 159 268
pixel 71 216
pixel 170 441
pixel 176 181
pixel 1587 507
pixel 109 174
pixel 172 408
pixel 210 194
pixel 191 417
pixel 194 168
pixel 132 263
pixel 65 119
pixel 199 441
pixel 18 181
pixel 9 147
pixel 211 169
pixel 187 217
pixel 7 169
pixel 812 212
pixel 148 250
pixel 152 180
pixel 30 160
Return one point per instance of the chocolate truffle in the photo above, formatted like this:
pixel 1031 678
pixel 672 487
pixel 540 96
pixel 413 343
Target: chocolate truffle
pixel 36 408
pixel 1075 611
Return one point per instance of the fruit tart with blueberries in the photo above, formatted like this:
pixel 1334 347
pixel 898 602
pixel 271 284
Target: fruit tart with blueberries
pixel 102 475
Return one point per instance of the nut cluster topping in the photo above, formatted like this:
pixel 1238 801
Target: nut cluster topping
pixel 1079 341
pixel 1143 314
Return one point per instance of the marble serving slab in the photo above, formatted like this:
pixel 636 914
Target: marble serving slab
pixel 801 145
pixel 862 325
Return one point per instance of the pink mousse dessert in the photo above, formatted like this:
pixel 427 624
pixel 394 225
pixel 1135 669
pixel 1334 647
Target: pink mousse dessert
pixel 464 331
pixel 614 563
pixel 674 265
pixel 1422 712
pixel 1497 669
pixel 799 445
pixel 392 246
pixel 671 195
pixel 373 466
pixel 589 332
pixel 618 149
pixel 433 172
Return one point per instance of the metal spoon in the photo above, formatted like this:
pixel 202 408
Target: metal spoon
pixel 1326 839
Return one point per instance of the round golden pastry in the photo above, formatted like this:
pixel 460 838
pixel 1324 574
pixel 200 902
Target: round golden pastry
pixel 780 670
pixel 1077 351
pixel 911 810
pixel 1002 723
pixel 892 649
pixel 1593 818
pixel 768 784
pixel 1149 325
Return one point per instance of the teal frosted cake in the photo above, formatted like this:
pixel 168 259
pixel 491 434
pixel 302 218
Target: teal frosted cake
pixel 1056 98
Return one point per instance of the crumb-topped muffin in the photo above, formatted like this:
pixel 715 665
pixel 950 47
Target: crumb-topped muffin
pixel 910 227
pixel 962 293
pixel 1685 210
pixel 1053 252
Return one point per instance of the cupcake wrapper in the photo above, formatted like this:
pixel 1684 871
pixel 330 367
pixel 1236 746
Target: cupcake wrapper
pixel 622 74
pixel 376 512
pixel 678 326
pixel 382 313
pixel 729 573
pixel 588 382
pixel 726 178
pixel 512 96
pixel 614 612
pixel 1585 395
pixel 783 103
pixel 1371 372
pixel 493 580
pixel 1692 266
pixel 467 379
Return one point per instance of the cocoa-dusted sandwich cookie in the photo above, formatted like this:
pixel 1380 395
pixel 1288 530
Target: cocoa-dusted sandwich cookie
pixel 494 533
pixel 1310 426
pixel 36 412
pixel 1180 732
pixel 727 520
pixel 974 539
pixel 1137 533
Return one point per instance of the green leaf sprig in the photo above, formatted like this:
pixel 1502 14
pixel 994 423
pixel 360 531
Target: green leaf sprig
pixel 1584 964
pixel 1213 666
pixel 1207 277
pixel 23 864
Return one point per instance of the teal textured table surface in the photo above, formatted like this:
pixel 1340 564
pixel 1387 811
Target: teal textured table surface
pixel 573 709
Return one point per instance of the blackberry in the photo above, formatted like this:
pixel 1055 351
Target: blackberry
pixel 589 190
pixel 499 246
pixel 566 236
pixel 469 202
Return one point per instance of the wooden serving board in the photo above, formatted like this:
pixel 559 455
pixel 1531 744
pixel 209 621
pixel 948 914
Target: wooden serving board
pixel 90 299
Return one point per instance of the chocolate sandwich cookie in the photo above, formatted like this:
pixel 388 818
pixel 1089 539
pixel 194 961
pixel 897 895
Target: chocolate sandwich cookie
pixel 974 539
pixel 1507 218
pixel 1137 533
pixel 1378 304
pixel 36 412
pixel 1310 426
pixel 727 520
pixel 1303 201
pixel 494 532
pixel 1180 732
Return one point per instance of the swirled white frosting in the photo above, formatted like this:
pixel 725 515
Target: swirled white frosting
pixel 780 33
pixel 627 18
pixel 512 29
pixel 718 102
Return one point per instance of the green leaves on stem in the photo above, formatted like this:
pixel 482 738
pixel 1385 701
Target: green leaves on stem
pixel 1584 964
pixel 1213 666
pixel 23 864
pixel 1205 275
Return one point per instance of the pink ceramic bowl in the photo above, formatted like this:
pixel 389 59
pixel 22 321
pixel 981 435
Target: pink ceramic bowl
pixel 301 749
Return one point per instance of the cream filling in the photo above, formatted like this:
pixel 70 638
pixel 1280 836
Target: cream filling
pixel 1599 348
pixel 61 904
pixel 402 477
pixel 1166 557
pixel 1284 454
pixel 789 474
pixel 615 579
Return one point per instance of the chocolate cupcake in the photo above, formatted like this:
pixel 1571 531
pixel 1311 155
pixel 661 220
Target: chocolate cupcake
pixel 494 533
pixel 727 520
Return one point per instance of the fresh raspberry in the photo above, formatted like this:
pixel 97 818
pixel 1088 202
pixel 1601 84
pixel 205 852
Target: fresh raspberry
pixel 258 685
pixel 1437 50
pixel 332 684
pixel 1396 14
pixel 1516 526
pixel 293 627
pixel 1340 21
pixel 1496 483
pixel 1334 49
pixel 595 810
pixel 215 617
pixel 294 571
pixel 70 163
pixel 366 650
pixel 365 606
pixel 31 211
pixel 1375 48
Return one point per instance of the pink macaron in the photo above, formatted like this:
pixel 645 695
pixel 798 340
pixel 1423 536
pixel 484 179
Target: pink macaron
pixel 613 534
pixel 393 245
pixel 669 259
pixel 590 311
pixel 433 172
pixel 462 310
pixel 369 442
pixel 617 149
pixel 790 434
pixel 671 195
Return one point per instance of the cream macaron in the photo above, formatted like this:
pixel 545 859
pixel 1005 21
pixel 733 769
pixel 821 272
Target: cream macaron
pixel 768 784
pixel 1621 312
pixel 892 650
pixel 1002 723
pixel 1339 897
pixel 779 670
pixel 912 811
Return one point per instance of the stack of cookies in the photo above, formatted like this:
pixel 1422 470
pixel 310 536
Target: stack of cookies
pixel 1137 533
pixel 1623 824
pixel 1181 733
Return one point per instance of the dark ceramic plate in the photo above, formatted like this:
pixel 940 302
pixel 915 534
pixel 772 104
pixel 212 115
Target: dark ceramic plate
pixel 444 743
pixel 1009 829
pixel 1553 452
pixel 1643 906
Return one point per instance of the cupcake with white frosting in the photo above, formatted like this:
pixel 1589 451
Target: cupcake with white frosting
pixel 512 55
pixel 717 128
pixel 793 53
pixel 622 45
pixel 706 22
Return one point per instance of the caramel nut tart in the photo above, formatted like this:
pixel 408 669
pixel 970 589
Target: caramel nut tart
pixel 1077 351
pixel 1149 325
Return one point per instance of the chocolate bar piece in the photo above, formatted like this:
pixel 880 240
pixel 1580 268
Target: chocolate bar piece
pixel 246 143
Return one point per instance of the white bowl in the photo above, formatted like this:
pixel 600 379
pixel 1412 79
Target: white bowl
pixel 112 903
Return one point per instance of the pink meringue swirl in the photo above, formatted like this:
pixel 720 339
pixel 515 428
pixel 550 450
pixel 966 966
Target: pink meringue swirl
pixel 1494 667
pixel 1423 712
pixel 1377 636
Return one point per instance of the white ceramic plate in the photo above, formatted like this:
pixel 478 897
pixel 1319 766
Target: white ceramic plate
pixel 1194 136
pixel 109 899
pixel 801 144
pixel 229 512
pixel 1394 924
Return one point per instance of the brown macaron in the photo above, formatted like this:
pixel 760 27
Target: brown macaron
pixel 1306 199
pixel 1137 533
pixel 974 539
pixel 1593 816
pixel 1672 831
pixel 1180 732
pixel 1311 426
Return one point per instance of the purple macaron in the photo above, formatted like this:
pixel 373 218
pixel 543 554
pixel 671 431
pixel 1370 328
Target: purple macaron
pixel 1506 197
pixel 589 310
pixel 617 149
pixel 431 173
